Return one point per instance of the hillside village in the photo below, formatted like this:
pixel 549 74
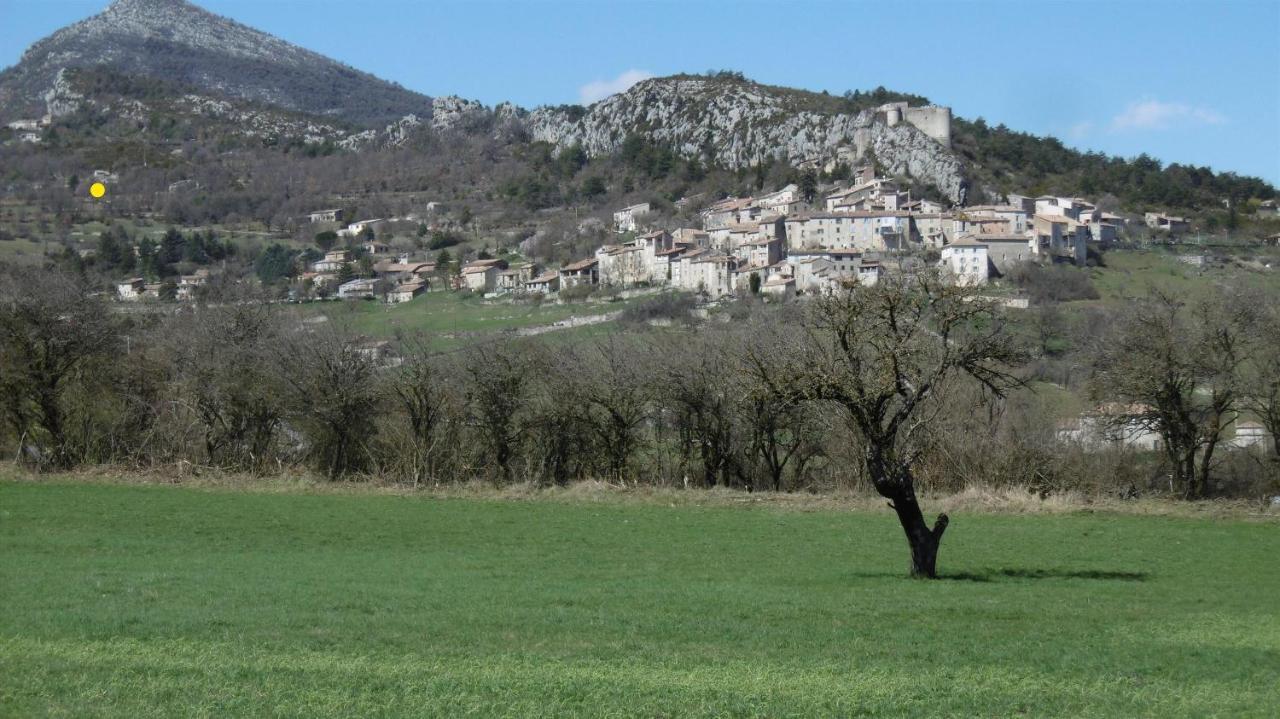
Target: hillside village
pixel 774 244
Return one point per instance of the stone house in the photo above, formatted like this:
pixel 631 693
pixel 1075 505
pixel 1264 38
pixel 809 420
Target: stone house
pixel 712 275
pixel 628 219
pixel 1061 237
pixel 863 231
pixel 582 272
pixel 934 229
pixel 1005 251
pixel 1072 207
pixel 665 260
pixel 373 247
pixel 781 202
pixel 332 262
pixel 406 292
pixel 690 237
pixel 761 252
pixel 923 207
pixel 355 228
pixel 780 286
pixel 725 212
pixel 482 275
pixel 859 194
pixel 1015 217
pixel 679 268
pixel 1103 232
pixel 514 278
pixel 965 224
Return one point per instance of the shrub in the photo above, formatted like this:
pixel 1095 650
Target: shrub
pixel 1055 283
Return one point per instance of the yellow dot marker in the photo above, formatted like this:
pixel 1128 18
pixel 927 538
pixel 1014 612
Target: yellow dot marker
pixel 97 189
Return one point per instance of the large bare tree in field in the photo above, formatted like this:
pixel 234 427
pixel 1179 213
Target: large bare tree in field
pixel 882 354
pixel 1178 367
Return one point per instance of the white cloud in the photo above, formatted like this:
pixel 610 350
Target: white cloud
pixel 1156 115
pixel 600 89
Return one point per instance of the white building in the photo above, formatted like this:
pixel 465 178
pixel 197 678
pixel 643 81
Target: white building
pixel 1111 426
pixel 966 261
pixel 131 289
pixel 1249 434
pixel 362 288
pixel 332 215
pixel 1161 221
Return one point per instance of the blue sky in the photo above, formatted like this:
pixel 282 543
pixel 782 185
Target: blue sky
pixel 1192 82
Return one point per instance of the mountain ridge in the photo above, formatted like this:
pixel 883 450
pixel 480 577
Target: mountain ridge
pixel 721 118
pixel 177 40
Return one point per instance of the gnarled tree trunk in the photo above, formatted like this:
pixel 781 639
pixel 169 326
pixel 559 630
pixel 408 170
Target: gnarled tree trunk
pixel 922 540
pixel 896 483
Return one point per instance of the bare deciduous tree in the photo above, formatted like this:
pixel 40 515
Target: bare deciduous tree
pixel 617 393
pixel 1178 368
pixel 881 353
pixel 332 397
pixel 224 360
pixel 51 328
pixel 699 396
pixel 497 396
pixel 1261 393
pixel 420 390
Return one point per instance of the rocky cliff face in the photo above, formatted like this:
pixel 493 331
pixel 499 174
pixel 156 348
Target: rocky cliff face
pixel 738 123
pixel 176 41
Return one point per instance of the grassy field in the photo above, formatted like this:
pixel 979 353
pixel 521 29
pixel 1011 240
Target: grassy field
pixel 152 601
pixel 1131 274
pixel 450 319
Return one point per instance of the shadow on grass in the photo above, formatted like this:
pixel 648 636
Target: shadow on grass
pixel 996 575
pixel 990 575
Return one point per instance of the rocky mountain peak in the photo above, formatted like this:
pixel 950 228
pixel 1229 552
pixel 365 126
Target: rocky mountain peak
pixel 179 42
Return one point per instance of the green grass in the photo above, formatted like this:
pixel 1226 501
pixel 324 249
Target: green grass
pixel 22 251
pixel 450 319
pixel 148 601
pixel 1131 274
